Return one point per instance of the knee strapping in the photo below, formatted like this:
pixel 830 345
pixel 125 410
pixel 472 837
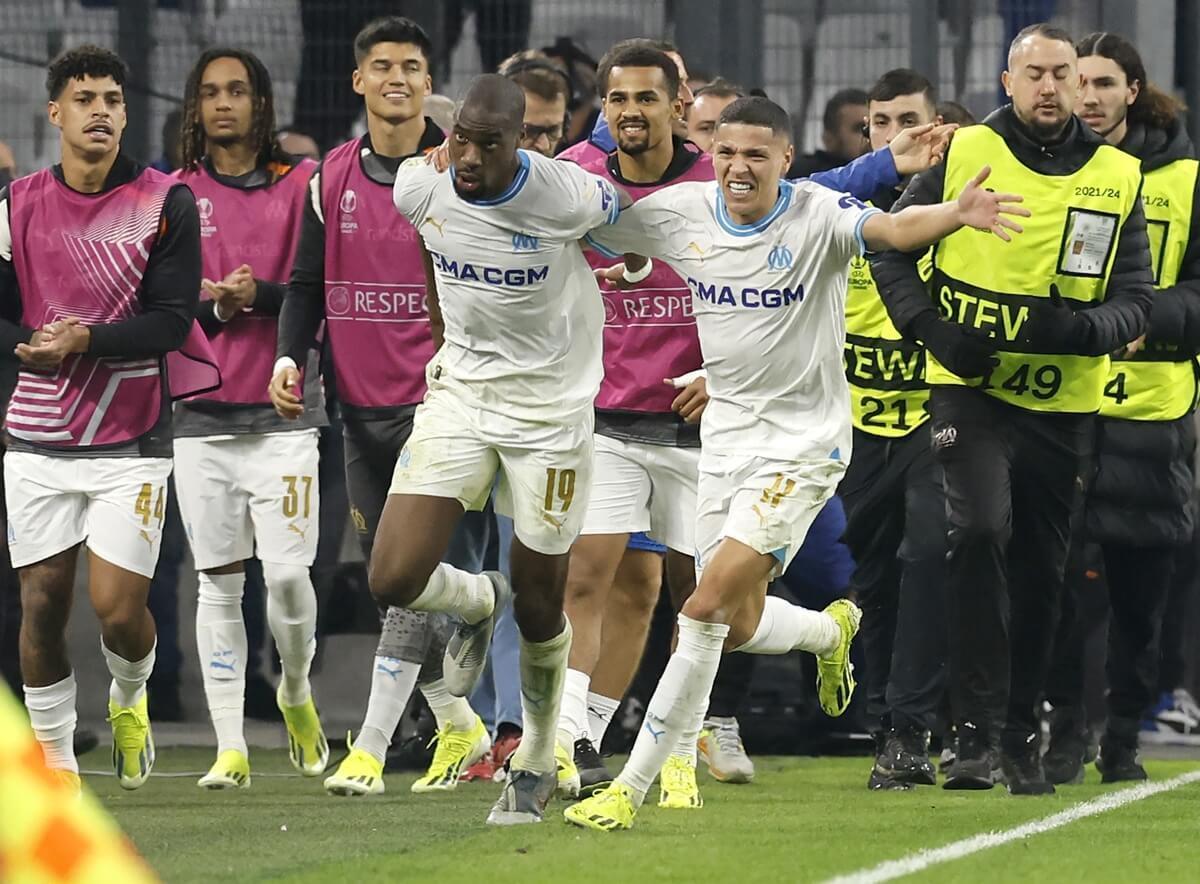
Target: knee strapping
pixel 405 635
pixel 221 589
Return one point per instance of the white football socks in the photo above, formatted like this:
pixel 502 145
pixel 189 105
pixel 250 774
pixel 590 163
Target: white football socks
pixel 52 715
pixel 292 617
pixel 573 716
pixel 600 712
pixel 447 708
pixel 785 627
pixel 543 670
pixel 681 696
pixel 221 642
pixel 392 682
pixel 470 596
pixel 129 677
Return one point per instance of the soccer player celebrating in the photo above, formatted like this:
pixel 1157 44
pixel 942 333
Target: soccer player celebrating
pixel 247 478
pixel 359 269
pixel 767 265
pixel 647 436
pixel 100 259
pixel 510 398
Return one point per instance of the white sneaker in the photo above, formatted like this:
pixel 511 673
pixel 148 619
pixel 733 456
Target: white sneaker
pixel 720 746
pixel 1175 722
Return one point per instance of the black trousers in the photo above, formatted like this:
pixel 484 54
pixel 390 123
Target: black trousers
pixel 1176 643
pixel 896 531
pixel 1083 610
pixel 1139 583
pixel 372 447
pixel 1012 479
pixel 1136 589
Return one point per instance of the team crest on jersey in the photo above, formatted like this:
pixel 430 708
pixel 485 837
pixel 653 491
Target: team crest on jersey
pixel 204 207
pixel 338 300
pixel 524 242
pixel 780 258
pixel 348 204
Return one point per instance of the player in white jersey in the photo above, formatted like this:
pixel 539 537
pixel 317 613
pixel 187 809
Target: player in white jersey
pixel 509 403
pixel 767 264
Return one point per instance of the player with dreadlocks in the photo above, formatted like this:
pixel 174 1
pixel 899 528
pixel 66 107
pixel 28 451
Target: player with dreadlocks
pixel 247 478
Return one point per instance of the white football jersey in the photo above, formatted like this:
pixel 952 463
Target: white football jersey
pixel 770 304
pixel 523 315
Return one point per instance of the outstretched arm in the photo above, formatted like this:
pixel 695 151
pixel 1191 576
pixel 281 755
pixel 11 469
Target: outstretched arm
pixel 913 150
pixel 919 226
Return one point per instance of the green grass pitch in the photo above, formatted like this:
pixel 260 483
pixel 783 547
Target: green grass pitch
pixel 803 819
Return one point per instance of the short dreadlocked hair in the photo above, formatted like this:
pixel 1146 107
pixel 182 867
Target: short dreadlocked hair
pixel 84 61
pixel 262 126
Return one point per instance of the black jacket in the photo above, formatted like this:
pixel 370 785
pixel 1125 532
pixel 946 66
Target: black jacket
pixel 1114 323
pixel 1175 315
pixel 1142 488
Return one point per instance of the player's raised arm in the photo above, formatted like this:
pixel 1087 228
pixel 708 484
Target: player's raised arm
pixel 919 226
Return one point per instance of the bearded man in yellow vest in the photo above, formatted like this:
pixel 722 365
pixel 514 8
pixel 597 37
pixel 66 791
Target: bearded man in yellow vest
pixel 1018 346
pixel 1138 509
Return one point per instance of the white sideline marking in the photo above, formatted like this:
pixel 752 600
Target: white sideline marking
pixel 923 859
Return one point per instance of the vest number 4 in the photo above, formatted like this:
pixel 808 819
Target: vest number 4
pixel 1115 389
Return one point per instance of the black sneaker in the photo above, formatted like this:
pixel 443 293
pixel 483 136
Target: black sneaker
pixel 593 775
pixel 974 761
pixel 882 778
pixel 1119 764
pixel 1021 763
pixel 1063 763
pixel 909 750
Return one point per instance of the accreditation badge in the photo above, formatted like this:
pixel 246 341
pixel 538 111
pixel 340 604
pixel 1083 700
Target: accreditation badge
pixel 1087 242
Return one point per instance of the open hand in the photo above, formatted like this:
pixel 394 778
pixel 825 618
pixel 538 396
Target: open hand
pixel 987 211
pixel 439 157
pixel 921 147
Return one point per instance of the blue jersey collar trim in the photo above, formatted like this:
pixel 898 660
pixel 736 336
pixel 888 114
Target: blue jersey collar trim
pixel 729 226
pixel 518 183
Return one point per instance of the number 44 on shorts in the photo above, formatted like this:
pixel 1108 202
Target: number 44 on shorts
pixel 148 505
